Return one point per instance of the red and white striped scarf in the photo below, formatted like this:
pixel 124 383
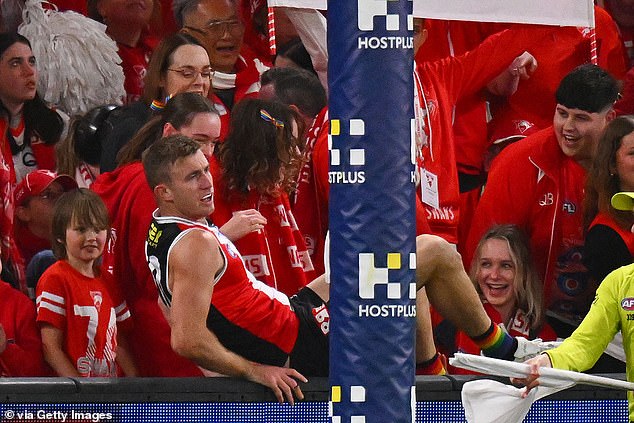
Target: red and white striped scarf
pixel 276 255
pixel 8 250
pixel 306 202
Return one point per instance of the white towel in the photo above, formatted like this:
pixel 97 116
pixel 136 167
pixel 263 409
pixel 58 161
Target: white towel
pixel 491 401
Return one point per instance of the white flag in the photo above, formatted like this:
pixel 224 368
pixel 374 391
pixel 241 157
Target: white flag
pixel 552 12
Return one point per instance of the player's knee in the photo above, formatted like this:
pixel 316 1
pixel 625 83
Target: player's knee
pixel 436 253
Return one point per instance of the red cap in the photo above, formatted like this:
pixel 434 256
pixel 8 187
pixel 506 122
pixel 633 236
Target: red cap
pixel 512 130
pixel 37 181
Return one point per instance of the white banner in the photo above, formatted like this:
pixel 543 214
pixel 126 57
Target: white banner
pixel 551 12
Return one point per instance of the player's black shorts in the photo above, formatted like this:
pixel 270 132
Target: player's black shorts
pixel 310 354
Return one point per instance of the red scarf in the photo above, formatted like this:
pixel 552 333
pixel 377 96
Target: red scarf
pixel 311 211
pixel 254 38
pixel 277 254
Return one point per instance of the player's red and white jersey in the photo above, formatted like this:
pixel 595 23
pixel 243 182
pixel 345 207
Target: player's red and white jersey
pixel 248 316
pixel 86 310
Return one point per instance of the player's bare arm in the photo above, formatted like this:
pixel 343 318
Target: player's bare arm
pixel 194 262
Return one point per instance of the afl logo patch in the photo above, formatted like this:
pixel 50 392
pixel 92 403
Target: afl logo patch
pixel 627 304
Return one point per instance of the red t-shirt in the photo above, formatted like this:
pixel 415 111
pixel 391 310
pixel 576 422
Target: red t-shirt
pixel 87 310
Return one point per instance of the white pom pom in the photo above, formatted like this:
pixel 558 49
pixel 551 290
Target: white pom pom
pixel 77 62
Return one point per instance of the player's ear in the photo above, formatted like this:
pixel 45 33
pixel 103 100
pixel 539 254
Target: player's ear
pixel 168 129
pixel 164 193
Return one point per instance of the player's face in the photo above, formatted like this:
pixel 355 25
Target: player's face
pixel 496 273
pixel 625 163
pixel 191 187
pixel 578 132
pixel 84 245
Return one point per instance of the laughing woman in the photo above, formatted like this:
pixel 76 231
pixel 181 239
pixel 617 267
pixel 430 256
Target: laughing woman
pixel 511 291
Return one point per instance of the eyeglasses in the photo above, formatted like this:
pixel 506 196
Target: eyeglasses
pixel 217 29
pixel 189 73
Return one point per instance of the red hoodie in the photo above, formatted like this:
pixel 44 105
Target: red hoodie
pixel 130 202
pixel 558 54
pixel 442 84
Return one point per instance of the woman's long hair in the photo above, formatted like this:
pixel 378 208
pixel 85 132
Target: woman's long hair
pixel 527 286
pixel 179 111
pixel 260 151
pixel 39 119
pixel 603 182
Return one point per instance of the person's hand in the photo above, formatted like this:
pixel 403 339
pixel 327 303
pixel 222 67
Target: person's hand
pixel 243 222
pixel 532 380
pixel 506 83
pixel 523 66
pixel 3 339
pixel 281 380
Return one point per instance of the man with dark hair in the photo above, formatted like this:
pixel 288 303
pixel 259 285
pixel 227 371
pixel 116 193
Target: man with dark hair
pixel 538 183
pixel 227 321
pixel 297 88
pixel 302 92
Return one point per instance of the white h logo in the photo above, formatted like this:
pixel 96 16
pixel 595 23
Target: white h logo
pixel 368 9
pixel 370 276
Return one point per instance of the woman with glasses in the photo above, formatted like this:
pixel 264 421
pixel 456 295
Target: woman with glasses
pixel 179 64
pixel 219 28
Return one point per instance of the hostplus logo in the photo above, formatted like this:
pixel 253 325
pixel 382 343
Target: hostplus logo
pixel 372 278
pixel 368 10
pixel 355 394
pixel 355 156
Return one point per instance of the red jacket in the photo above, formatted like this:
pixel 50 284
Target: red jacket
pixel 535 186
pixel 444 82
pixel 454 38
pixel 557 55
pixel 130 202
pixel 134 62
pixel 625 106
pixel 22 356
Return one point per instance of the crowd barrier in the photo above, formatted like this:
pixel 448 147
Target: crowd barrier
pixel 239 401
